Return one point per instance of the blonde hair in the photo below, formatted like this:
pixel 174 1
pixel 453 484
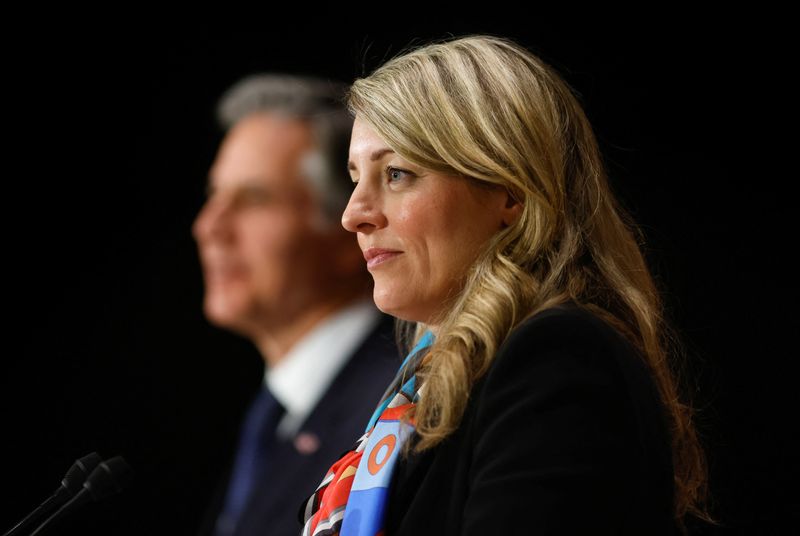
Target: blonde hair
pixel 486 108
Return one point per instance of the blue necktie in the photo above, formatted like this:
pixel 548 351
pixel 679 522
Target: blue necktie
pixel 257 435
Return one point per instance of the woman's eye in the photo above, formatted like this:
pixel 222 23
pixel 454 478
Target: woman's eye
pixel 396 174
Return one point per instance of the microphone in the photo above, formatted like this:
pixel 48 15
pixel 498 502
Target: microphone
pixel 107 479
pixel 71 484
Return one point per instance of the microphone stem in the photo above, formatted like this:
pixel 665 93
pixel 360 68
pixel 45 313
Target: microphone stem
pixel 43 509
pixel 77 499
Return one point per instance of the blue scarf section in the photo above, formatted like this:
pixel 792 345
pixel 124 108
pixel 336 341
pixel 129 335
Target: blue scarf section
pixel 409 387
pixel 366 504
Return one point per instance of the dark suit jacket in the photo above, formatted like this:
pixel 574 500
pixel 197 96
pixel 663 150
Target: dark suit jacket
pixel 565 434
pixel 337 421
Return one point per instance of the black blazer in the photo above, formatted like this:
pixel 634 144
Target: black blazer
pixel 337 422
pixel 565 434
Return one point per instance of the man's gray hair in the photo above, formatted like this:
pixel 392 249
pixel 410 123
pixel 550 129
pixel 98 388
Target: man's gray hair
pixel 321 102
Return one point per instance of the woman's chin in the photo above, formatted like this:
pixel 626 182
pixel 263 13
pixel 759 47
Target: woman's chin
pixel 387 303
pixel 398 310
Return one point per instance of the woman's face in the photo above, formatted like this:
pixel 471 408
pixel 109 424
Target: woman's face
pixel 419 230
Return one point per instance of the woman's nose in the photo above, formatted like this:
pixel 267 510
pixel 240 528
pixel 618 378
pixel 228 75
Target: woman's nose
pixel 363 212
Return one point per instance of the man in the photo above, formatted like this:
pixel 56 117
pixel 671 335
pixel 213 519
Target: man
pixel 280 270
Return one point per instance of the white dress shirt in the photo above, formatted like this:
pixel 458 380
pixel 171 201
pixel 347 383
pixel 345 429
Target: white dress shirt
pixel 300 379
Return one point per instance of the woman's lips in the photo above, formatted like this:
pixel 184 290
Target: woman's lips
pixel 376 256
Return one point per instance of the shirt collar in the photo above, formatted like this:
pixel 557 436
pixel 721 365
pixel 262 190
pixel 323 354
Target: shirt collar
pixel 300 379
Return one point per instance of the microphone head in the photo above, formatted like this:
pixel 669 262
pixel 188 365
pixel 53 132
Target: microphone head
pixel 108 478
pixel 79 472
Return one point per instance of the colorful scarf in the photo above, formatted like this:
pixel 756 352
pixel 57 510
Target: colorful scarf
pixel 351 500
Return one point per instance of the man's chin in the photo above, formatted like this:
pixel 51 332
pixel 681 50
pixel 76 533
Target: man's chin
pixel 225 313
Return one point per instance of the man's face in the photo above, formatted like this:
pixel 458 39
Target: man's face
pixel 263 259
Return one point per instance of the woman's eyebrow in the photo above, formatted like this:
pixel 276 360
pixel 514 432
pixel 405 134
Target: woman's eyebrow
pixel 374 156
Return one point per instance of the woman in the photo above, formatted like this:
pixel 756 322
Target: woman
pixel 538 398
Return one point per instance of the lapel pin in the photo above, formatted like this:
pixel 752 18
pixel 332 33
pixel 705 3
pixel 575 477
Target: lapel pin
pixel 306 443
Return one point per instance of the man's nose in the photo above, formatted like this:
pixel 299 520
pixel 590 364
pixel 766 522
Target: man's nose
pixel 213 220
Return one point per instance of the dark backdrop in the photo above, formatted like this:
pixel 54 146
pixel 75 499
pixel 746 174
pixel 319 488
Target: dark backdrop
pixel 109 135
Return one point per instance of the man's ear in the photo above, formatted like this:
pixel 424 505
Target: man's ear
pixel 348 258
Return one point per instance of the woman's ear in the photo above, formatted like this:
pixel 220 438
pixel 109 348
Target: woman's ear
pixel 511 211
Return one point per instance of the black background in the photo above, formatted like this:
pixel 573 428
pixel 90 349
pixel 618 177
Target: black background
pixel 110 132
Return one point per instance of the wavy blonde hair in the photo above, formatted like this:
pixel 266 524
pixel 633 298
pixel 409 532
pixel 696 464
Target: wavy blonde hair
pixel 486 108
